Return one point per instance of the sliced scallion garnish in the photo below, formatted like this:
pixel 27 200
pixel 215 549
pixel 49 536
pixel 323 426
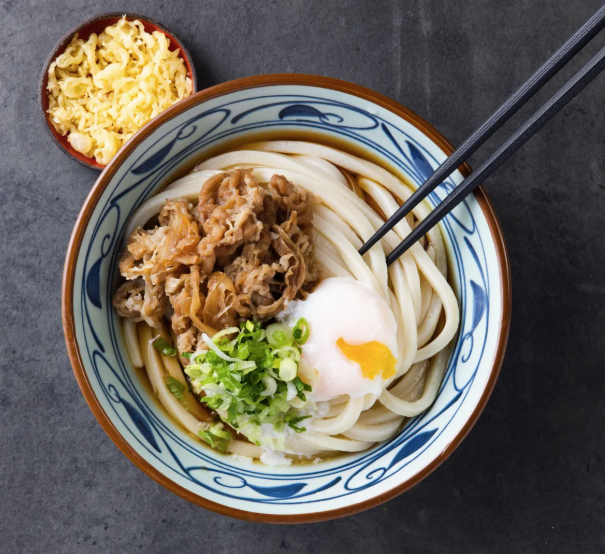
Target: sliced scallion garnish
pixel 175 387
pixel 164 348
pixel 251 379
pixel 287 369
pixel 293 420
pixel 301 331
pixel 279 335
pixel 216 436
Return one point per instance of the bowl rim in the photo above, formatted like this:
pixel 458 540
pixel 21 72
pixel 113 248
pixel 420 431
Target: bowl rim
pixel 100 186
pixel 60 47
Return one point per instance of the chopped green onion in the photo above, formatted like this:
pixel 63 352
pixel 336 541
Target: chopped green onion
pixel 217 351
pixel 163 347
pixel 243 350
pixel 213 402
pixel 301 331
pixel 287 369
pixel 217 430
pixel 251 380
pixel 187 355
pixel 292 421
pixel 301 385
pixel 278 404
pixel 175 387
pixel 279 335
pixel 232 412
pixel 195 372
pixel 270 386
pixel 288 352
pixel 216 437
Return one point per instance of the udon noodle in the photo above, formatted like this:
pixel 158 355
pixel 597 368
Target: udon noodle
pixel 352 196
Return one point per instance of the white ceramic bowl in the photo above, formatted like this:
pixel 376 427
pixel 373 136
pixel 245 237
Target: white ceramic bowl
pixel 282 105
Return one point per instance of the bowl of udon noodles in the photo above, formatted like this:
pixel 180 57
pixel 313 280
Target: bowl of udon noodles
pixel 226 332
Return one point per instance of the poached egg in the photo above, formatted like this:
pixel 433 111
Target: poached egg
pixel 352 344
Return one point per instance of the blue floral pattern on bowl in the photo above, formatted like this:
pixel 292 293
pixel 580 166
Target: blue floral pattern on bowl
pixel 345 480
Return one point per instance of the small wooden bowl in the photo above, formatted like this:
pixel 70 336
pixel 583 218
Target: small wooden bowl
pixel 96 25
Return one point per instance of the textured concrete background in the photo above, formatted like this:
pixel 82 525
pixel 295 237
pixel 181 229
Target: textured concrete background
pixel 531 475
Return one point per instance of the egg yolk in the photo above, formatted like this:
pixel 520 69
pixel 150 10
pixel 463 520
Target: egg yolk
pixel 373 357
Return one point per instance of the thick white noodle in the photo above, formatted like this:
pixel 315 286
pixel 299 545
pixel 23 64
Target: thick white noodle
pixel 395 308
pixel 387 204
pixel 320 242
pixel 409 381
pixel 426 292
pixel 333 444
pixel 407 320
pixel 174 369
pixel 242 448
pixel 332 267
pixel 326 166
pixel 196 178
pixel 378 432
pixel 337 405
pixel 268 159
pixel 348 252
pixel 154 368
pixel 343 421
pixel 369 400
pixel 131 338
pixel 333 219
pixel 429 324
pixel 328 255
pixel 432 382
pixel 377 415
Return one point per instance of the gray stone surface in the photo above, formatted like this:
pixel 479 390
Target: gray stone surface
pixel 531 475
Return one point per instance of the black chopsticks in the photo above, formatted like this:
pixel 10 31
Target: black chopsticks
pixel 558 60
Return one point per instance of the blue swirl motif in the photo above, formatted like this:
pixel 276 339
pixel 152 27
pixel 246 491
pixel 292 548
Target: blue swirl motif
pixel 479 304
pixel 93 282
pixel 93 279
pixel 420 162
pixel 185 131
pixel 92 285
pixel 312 110
pixel 480 294
pixel 217 474
pixel 299 112
pixel 377 474
pixel 140 422
pixel 273 494
pixel 156 159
